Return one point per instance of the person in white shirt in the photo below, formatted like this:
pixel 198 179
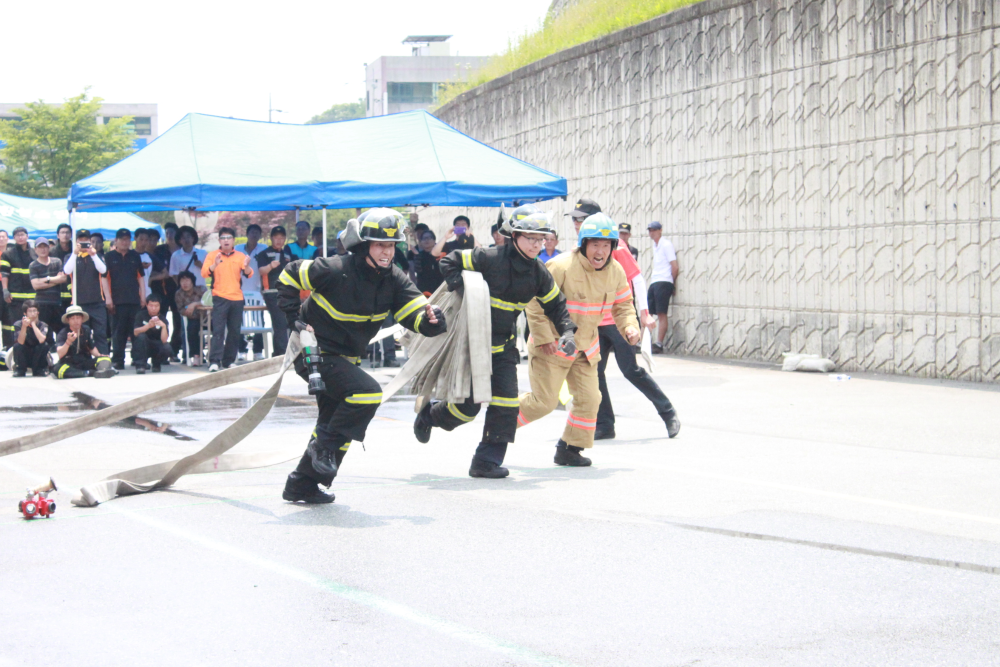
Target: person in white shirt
pixel 187 257
pixel 661 282
pixel 252 284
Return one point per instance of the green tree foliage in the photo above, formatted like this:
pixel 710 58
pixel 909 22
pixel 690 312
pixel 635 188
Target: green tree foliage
pixel 345 111
pixel 52 147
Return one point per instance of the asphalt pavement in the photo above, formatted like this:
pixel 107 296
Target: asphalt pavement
pixel 795 520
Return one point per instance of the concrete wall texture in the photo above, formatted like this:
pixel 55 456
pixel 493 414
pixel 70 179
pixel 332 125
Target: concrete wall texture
pixel 827 169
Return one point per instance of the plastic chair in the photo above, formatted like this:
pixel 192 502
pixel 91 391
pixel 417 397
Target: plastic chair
pixel 253 320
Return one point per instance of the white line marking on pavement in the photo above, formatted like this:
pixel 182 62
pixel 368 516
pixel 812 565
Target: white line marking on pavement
pixel 356 595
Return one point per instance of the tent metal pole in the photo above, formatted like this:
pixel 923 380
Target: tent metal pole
pixel 72 247
pixel 324 231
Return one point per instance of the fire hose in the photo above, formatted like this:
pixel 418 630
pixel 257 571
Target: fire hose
pixel 469 314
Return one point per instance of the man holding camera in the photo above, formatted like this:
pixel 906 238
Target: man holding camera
pixel 457 238
pixel 91 286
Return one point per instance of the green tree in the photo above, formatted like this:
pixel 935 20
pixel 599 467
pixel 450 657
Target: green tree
pixel 52 147
pixel 345 111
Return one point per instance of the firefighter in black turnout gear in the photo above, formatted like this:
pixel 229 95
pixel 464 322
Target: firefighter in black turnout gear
pixel 351 295
pixel 515 277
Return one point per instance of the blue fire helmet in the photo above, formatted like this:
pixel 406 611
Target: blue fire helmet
pixel 599 226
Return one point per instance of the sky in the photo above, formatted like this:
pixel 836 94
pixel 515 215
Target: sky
pixel 224 58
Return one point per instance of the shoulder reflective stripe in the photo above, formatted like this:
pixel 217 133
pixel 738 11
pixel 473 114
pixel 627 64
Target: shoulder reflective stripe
pixel 364 399
pixel 467 260
pixel 304 275
pixel 453 409
pixel 406 310
pixel 16 270
pixel 506 305
pixel 504 402
pixel 287 279
pixel 321 301
pixel 553 293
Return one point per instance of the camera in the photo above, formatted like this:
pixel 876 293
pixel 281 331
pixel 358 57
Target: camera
pixel 84 244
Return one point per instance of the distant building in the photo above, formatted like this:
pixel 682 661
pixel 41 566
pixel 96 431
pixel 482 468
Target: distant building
pixel 404 83
pixel 144 118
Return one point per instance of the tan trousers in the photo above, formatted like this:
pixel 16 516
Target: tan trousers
pixel 546 374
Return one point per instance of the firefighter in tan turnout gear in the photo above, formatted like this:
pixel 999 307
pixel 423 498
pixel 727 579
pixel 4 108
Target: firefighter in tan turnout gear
pixel 593 284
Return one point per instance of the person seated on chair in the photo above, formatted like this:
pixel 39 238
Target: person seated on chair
pixel 77 354
pixel 188 298
pixel 31 343
pixel 151 337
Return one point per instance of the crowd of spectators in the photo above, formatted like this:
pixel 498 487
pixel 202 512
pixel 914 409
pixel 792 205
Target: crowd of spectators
pixel 149 296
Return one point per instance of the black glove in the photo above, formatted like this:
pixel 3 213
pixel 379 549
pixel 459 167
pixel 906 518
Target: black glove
pixel 439 314
pixel 457 285
pixel 567 344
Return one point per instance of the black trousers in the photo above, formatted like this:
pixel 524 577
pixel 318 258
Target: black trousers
pixel 345 409
pixel 279 323
pixel 145 346
pixel 501 414
pixel 124 329
pixel 227 320
pixel 611 339
pixel 51 314
pixel 193 326
pixel 98 324
pixel 74 366
pixel 31 357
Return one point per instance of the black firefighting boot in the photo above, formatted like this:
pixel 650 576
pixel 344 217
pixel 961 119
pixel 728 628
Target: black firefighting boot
pixel 481 468
pixel 673 423
pixel 568 455
pixel 300 488
pixel 323 459
pixel 422 425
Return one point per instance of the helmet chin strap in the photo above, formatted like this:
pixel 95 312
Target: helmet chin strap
pixel 517 247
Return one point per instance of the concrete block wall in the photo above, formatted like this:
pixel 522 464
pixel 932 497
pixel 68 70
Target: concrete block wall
pixel 827 169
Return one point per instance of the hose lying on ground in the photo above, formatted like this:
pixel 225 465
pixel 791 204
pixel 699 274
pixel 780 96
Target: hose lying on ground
pixel 456 360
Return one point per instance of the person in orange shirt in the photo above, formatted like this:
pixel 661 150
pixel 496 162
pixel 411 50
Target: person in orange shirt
pixel 226 267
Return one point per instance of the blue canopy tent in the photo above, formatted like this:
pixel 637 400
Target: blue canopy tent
pixel 42 217
pixel 207 163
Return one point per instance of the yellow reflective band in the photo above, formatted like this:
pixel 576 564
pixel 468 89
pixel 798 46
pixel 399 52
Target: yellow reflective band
pixel 66 295
pixel 4 262
pixel 25 271
pixel 553 293
pixel 504 402
pixel 103 359
pixel 467 260
pixel 62 370
pixel 347 445
pixel 286 278
pixel 453 409
pixel 370 223
pixel 22 295
pixel 506 305
pixel 418 302
pixel 364 399
pixel 346 317
pixel 304 275
pixel 7 328
pixel 417 320
pixel 497 349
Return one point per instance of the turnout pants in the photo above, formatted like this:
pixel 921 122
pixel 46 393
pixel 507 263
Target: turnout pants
pixel 346 407
pixel 78 367
pixel 31 357
pixel 227 321
pixel 145 346
pixel 611 339
pixel 501 413
pixel 546 374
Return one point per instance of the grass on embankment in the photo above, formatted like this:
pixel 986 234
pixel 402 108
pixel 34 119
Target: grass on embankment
pixel 587 20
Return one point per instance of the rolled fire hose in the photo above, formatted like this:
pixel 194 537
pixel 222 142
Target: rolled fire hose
pixel 213 458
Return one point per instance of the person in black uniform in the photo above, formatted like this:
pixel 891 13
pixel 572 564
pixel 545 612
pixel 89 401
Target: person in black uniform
pixel 47 280
pixel 15 269
pixel 151 336
pixel 78 355
pixel 271 261
pixel 62 250
pixel 514 277
pixel 351 295
pixel 31 343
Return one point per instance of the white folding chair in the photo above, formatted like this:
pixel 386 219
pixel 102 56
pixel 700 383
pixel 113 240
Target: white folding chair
pixel 253 320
